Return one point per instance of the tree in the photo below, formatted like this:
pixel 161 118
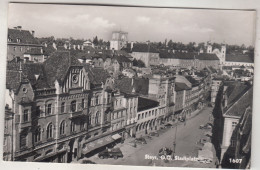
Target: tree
pixel 95 40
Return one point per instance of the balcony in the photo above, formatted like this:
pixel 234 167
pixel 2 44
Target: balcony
pixel 26 124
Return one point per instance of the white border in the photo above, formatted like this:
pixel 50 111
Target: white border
pixel 222 4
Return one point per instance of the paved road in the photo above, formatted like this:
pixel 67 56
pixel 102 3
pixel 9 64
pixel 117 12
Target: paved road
pixel 187 136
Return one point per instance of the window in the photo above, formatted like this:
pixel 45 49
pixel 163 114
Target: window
pixel 62 127
pixel 38 111
pixel 97 118
pixel 89 119
pixel 25 115
pixel 37 134
pixel 72 127
pixel 23 139
pixel 108 99
pixel 49 109
pixel 5 141
pixel 62 110
pixel 97 101
pixel 82 125
pixel 49 131
pixel 73 106
pixel 21 49
pixel 234 124
pixel 14 48
pixel 138 117
pixel 142 115
pixel 83 103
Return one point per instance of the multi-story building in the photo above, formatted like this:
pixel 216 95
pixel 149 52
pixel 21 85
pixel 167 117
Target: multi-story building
pixel 149 115
pixel 146 53
pixel 8 133
pixel 232 102
pixel 61 107
pixel 22 44
pixel 216 83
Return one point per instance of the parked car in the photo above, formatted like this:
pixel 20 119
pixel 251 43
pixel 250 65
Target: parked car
pixel 165 151
pixel 168 125
pixel 140 140
pixel 154 134
pixel 110 153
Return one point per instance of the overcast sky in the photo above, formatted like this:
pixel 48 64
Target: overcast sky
pixel 142 24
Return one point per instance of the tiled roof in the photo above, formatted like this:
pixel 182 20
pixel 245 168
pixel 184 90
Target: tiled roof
pixel 181 86
pixel 24 36
pixel 239 58
pixel 206 56
pixel 124 85
pixel 140 85
pixel 57 65
pixel 188 56
pixel 14 78
pixel 238 101
pixel 145 104
pixel 192 81
pixel 96 75
pixel 141 47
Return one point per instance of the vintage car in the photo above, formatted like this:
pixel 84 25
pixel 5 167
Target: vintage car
pixel 165 152
pixel 140 140
pixel 110 153
pixel 154 134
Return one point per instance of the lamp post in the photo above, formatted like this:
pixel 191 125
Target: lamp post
pixel 175 136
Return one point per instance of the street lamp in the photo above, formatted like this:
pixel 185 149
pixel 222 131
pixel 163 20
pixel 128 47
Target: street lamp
pixel 175 136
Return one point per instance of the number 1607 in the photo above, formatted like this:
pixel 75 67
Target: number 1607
pixel 235 160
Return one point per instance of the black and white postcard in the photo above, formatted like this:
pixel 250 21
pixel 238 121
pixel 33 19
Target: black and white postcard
pixel 129 85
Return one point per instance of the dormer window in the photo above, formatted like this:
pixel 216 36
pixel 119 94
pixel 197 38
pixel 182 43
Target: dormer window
pixel 9 40
pixel 18 40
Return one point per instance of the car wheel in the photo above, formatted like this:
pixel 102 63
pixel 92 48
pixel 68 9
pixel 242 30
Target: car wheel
pixel 101 157
pixel 115 157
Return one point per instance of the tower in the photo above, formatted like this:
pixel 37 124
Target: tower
pixel 209 47
pixel 119 40
pixel 223 54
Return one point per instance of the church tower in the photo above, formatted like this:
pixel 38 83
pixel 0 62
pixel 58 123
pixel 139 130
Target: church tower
pixel 209 47
pixel 223 54
pixel 119 40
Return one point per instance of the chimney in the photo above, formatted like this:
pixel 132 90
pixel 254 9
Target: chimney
pixel 33 33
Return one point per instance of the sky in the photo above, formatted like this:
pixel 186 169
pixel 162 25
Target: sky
pixel 142 24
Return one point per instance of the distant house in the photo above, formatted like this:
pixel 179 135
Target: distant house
pixel 145 52
pixel 238 60
pixel 23 45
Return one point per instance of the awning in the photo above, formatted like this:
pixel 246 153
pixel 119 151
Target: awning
pixel 116 136
pixel 97 144
pixel 41 158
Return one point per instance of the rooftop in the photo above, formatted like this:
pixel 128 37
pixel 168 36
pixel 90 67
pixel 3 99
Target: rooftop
pixel 145 104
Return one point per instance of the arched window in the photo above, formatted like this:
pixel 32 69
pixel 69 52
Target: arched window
pixel 73 106
pixel 97 118
pixel 72 126
pixel 62 107
pixel 89 118
pixel 62 127
pixel 49 131
pixel 37 134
